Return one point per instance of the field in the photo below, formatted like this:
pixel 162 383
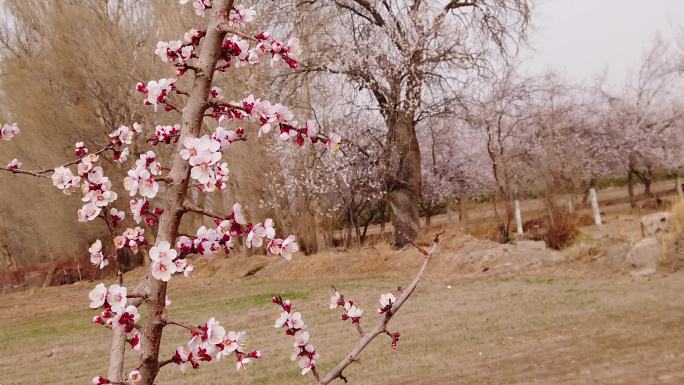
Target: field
pixel 551 325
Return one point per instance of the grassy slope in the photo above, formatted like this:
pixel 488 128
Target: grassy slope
pixel 517 330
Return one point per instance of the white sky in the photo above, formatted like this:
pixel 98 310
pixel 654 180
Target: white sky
pixel 581 38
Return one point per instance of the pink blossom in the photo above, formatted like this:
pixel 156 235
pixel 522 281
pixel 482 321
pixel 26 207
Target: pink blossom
pixel 140 180
pixel 135 340
pixel 97 258
pixel 240 15
pixel 122 135
pixel 116 215
pixel 134 376
pixel 15 164
pixel 80 149
pixel 8 131
pixel 386 302
pixel 156 91
pixel 336 300
pixel 306 364
pixel 116 297
pixel 226 137
pixel 162 257
pixel 283 247
pixel 352 312
pixel 65 180
pixel 99 380
pixel 126 319
pixel 98 296
pixel 88 212
pixel 131 238
pixel 199 5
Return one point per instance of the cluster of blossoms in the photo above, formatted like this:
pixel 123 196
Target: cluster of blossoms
pixel 166 262
pixel 8 131
pixel 141 179
pixel 122 137
pixel 97 257
pixel 350 311
pixel 305 353
pixel 65 180
pixel 241 15
pixel 166 134
pixel 199 5
pixel 212 338
pixel 96 188
pixel 132 238
pixel 272 117
pixel 210 240
pixel 140 208
pixel 179 52
pixel 225 137
pixel 156 92
pixel 116 314
pixel 204 155
pixel 285 52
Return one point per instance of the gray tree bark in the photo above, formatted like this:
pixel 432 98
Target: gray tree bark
pixel 176 190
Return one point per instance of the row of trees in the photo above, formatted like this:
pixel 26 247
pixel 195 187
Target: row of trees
pixel 428 97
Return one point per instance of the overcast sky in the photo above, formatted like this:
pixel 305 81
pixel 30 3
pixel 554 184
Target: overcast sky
pixel 583 37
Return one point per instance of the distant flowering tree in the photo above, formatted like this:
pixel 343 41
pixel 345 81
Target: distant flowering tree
pixel 158 202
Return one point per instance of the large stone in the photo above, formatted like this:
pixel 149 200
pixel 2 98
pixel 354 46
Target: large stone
pixel 655 223
pixel 645 256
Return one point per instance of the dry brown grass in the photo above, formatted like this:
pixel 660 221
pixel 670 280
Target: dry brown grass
pixel 509 330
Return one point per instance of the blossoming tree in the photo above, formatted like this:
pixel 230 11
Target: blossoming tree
pixel 158 203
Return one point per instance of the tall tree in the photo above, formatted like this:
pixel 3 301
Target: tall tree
pixel 410 57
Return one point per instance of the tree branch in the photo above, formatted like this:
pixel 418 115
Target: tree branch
pixel 40 173
pixel 381 327
pixel 188 206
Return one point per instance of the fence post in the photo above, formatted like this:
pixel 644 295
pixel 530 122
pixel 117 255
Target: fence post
pixel 571 204
pixel 518 218
pixel 595 206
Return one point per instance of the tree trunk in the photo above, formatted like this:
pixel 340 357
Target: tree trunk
pixel 405 177
pixel 462 213
pixel 630 188
pixel 383 208
pixel 648 181
pixel 176 189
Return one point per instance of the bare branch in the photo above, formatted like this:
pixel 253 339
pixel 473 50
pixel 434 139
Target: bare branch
pixel 381 327
pixel 188 206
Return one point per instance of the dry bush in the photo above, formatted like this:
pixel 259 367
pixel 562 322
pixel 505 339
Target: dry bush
pixel 562 230
pixel 558 232
pixel 674 239
pixel 55 273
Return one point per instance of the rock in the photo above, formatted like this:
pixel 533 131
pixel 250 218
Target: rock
pixel 655 223
pixel 645 256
